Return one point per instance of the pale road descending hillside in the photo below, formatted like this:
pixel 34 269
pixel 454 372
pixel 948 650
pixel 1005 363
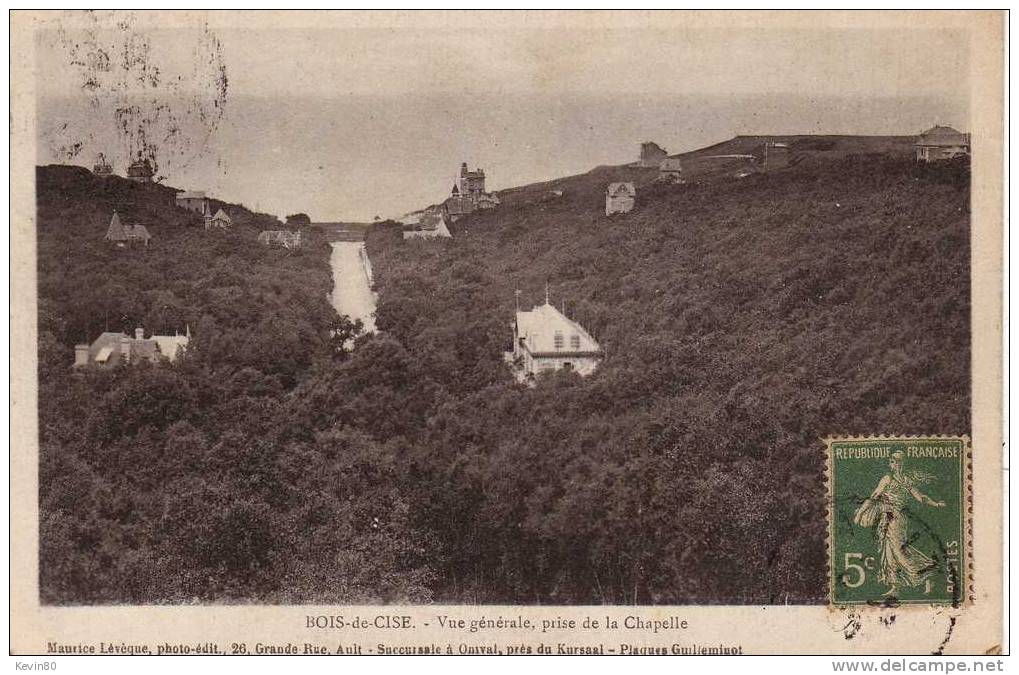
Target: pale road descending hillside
pixel 351 293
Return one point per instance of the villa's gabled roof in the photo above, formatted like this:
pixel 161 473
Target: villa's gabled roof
pixel 540 326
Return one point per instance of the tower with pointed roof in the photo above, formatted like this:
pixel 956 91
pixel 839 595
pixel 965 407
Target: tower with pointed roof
pixel 116 232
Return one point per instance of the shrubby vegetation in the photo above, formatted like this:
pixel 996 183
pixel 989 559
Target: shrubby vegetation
pixel 742 321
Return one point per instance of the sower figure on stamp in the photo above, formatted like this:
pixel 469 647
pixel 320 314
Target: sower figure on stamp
pixel 901 562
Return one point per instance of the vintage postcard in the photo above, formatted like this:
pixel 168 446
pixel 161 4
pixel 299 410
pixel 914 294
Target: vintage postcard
pixel 538 332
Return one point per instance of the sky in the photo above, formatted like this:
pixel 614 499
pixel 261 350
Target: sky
pixel 348 116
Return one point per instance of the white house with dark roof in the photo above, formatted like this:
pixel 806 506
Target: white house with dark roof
pixel 939 143
pixel 545 340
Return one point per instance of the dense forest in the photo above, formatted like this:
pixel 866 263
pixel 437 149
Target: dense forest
pixel 742 320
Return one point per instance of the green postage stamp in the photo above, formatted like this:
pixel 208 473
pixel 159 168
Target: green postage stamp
pixel 898 520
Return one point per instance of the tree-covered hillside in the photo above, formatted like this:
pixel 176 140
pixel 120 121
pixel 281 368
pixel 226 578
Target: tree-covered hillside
pixel 742 320
pixel 155 483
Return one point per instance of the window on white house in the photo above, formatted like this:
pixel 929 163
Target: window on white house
pixel 558 340
pixel 574 342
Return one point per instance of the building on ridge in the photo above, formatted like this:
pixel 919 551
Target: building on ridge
pixel 140 170
pixel 939 143
pixel 102 168
pixel 651 155
pixel 468 194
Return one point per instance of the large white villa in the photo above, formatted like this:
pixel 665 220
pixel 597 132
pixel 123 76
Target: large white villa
pixel 545 340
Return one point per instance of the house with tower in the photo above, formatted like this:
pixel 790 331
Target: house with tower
pixel 468 194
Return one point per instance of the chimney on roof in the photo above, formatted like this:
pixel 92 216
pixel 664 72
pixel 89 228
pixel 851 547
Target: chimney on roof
pixel 139 333
pixel 80 355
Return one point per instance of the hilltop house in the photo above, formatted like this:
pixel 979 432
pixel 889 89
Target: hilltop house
pixel 430 225
pixel 670 170
pixel 102 168
pixel 619 198
pixel 651 155
pixel 220 220
pixel 140 170
pixel 468 194
pixel 545 340
pixel 193 201
pixel 113 349
pixel 938 143
pixel 122 235
pixel 282 238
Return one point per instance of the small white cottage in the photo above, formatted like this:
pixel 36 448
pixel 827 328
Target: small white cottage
pixel 619 198
pixel 430 225
pixel 195 201
pixel 220 220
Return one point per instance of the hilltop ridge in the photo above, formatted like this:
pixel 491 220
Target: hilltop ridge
pixel 819 147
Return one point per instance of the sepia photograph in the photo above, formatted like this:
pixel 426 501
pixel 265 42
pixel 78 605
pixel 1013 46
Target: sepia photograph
pixel 520 309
